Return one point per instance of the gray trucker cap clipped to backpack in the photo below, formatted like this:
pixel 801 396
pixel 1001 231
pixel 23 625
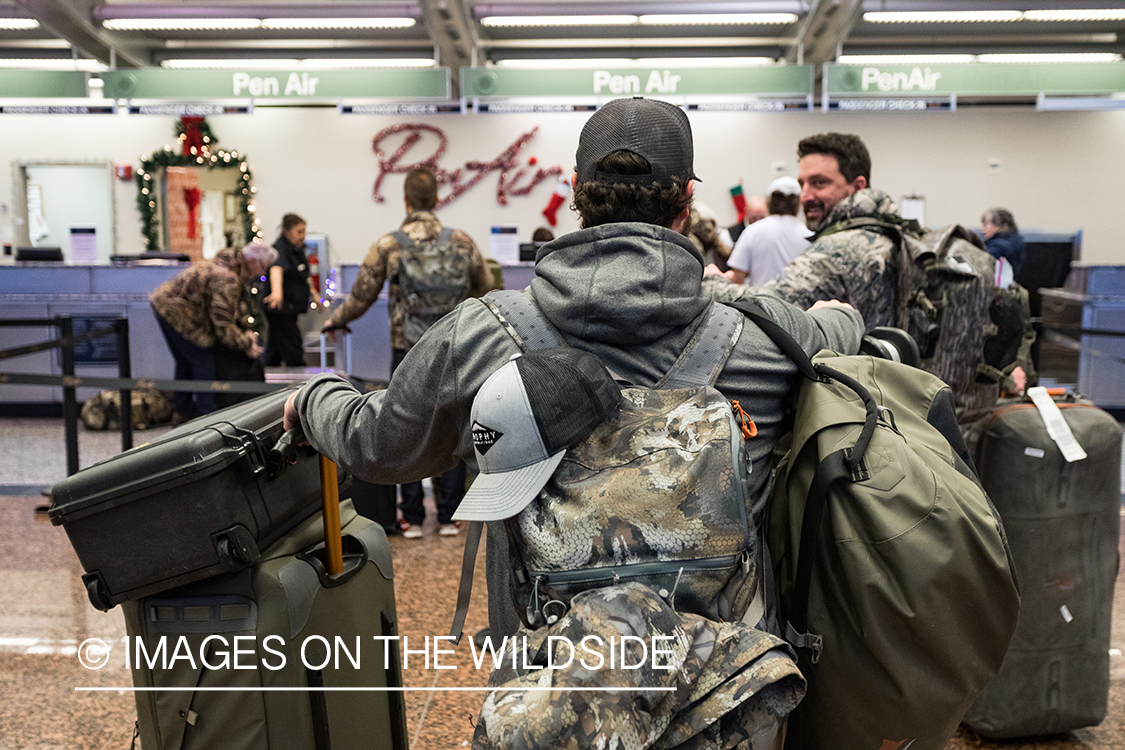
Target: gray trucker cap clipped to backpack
pixel 656 130
pixel 524 418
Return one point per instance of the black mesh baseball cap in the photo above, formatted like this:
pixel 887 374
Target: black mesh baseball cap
pixel 524 417
pixel 656 130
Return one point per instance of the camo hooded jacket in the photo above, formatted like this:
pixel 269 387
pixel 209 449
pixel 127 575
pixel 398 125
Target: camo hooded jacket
pixel 855 265
pixel 382 263
pixel 201 303
pixel 679 681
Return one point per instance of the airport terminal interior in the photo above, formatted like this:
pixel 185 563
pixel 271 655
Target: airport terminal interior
pixel 139 137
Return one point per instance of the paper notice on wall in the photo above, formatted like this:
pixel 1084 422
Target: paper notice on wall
pixel 84 246
pixel 504 244
pixel 913 207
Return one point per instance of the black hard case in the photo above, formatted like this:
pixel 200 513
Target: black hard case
pixel 204 499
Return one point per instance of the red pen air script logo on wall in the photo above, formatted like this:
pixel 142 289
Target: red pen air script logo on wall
pixel 514 180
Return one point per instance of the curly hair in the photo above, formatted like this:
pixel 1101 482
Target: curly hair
pixel 600 203
pixel 850 152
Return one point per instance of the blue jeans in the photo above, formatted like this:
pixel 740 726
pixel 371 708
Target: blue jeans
pixel 192 363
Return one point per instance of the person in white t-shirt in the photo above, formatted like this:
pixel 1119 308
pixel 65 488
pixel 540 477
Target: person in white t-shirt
pixel 768 245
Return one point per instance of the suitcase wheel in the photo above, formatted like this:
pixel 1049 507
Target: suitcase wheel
pixel 95 590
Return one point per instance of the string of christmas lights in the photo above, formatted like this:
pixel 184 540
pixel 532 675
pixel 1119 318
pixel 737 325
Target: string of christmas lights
pixel 202 155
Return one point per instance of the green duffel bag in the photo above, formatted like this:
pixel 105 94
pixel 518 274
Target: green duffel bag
pixel 893 573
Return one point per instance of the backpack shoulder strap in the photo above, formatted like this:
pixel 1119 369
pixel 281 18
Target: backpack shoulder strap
pixel 403 239
pixel 705 355
pixel 445 236
pixel 523 320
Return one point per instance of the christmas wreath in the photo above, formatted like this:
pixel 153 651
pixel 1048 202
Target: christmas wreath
pixel 197 150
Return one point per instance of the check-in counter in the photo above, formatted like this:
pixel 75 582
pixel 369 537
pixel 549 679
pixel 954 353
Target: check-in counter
pixel 371 332
pixel 93 296
pixel 1086 319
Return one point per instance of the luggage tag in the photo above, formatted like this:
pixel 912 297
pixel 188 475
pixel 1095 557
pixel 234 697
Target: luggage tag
pixel 1057 428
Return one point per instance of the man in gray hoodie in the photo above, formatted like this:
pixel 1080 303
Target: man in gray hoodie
pixel 626 287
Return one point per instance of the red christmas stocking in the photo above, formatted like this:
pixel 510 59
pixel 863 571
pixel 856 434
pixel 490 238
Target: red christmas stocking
pixel 739 200
pixel 562 190
pixel 191 198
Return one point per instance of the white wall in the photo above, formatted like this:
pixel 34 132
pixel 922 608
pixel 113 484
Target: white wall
pixel 1059 171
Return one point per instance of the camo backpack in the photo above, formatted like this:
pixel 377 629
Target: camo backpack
pixel 654 495
pixel 971 332
pixel 433 278
pixel 103 411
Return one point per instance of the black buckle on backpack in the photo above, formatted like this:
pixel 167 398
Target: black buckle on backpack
pixel 810 641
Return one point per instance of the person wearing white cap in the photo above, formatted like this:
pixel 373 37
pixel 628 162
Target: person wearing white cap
pixel 626 287
pixel 767 246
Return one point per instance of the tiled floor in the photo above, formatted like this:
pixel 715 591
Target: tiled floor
pixel 44 614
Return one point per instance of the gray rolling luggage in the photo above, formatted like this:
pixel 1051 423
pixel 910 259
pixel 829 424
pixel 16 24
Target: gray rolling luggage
pixel 203 499
pixel 284 602
pixel 1062 520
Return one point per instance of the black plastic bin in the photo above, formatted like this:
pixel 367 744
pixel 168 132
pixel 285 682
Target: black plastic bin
pixel 204 499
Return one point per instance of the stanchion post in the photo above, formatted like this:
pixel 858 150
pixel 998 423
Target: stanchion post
pixel 124 370
pixel 70 399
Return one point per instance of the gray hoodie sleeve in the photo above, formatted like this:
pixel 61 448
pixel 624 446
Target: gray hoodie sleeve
pixel 416 427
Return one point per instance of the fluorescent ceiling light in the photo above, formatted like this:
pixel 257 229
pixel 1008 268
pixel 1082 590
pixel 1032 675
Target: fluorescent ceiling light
pixel 622 62
pixel 180 24
pixel 18 24
pixel 902 59
pixel 337 23
pixel 730 19
pixel 1074 15
pixel 92 66
pixel 943 16
pixel 558 20
pixel 1049 57
pixel 309 64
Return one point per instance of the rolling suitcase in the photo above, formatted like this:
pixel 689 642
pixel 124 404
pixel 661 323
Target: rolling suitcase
pixel 203 499
pixel 1062 520
pixel 283 654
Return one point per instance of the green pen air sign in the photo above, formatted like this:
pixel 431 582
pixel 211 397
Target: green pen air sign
pixel 277 84
pixel 32 84
pixel 772 81
pixel 973 79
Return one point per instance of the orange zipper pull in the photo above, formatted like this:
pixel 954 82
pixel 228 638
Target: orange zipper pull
pixel 749 429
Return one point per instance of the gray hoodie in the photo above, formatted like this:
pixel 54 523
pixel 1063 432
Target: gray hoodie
pixel 629 293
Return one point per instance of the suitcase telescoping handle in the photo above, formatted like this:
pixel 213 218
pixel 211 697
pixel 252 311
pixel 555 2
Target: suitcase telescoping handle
pixel 283 452
pixel 330 500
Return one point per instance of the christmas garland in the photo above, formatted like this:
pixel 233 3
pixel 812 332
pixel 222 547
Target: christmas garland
pixel 201 156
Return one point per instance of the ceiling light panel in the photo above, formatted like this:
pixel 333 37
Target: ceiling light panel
pixel 337 23
pixel 1050 57
pixel 719 19
pixel 310 64
pixel 903 59
pixel 92 66
pixel 944 16
pixel 18 24
pixel 1091 14
pixel 180 24
pixel 558 20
